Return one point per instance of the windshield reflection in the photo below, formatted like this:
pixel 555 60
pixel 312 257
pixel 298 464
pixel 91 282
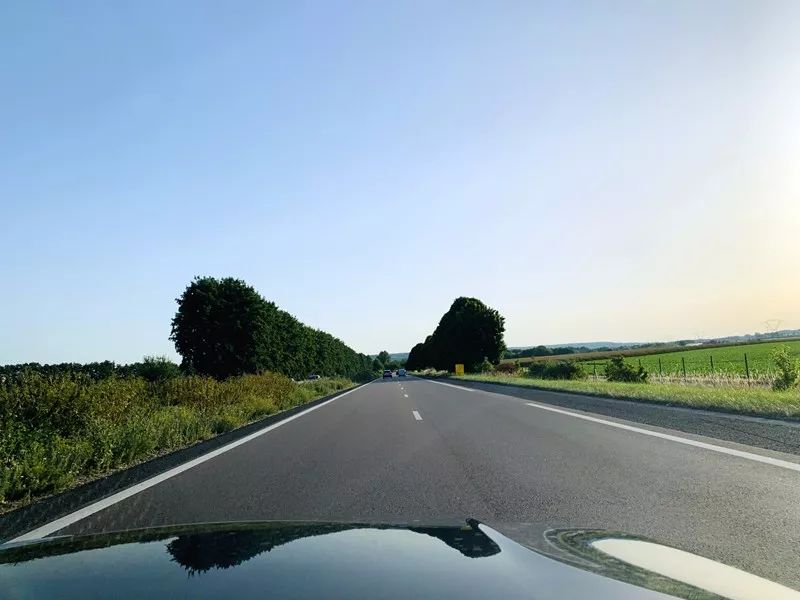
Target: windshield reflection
pixel 200 549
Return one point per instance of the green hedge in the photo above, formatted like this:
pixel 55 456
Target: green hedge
pixel 557 370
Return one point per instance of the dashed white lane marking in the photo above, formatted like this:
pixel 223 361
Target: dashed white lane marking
pixel 84 512
pixel 776 462
pixel 405 395
pixel 416 414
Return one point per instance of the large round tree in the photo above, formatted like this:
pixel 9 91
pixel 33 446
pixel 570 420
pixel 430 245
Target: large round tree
pixel 222 327
pixel 467 333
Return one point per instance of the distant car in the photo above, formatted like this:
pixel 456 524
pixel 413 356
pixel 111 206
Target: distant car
pixel 314 377
pixel 401 372
pixel 387 373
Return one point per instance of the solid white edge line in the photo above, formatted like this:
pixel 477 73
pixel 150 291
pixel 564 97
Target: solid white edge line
pixel 698 571
pixel 458 387
pixel 768 460
pixel 90 509
pixel 416 414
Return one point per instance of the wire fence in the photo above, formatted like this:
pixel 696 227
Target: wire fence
pixel 746 367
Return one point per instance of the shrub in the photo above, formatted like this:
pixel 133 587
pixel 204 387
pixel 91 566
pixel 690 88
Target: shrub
pixel 485 367
pixel 618 370
pixel 507 368
pixel 225 423
pixel 788 369
pixel 563 369
pixel 155 368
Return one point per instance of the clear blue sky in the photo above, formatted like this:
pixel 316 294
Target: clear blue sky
pixel 626 171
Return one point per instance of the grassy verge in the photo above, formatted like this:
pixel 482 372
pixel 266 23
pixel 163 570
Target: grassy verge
pixel 59 431
pixel 751 401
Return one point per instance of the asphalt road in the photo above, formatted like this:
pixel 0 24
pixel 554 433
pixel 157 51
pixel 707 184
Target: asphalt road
pixel 416 451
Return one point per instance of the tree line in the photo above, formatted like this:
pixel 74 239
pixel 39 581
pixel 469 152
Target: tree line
pixel 469 333
pixel 545 351
pixel 223 327
pixel 384 360
pixel 151 368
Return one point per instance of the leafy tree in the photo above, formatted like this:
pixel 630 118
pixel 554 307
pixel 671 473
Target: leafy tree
pixel 222 328
pixel 383 356
pixel 468 333
pixel 416 358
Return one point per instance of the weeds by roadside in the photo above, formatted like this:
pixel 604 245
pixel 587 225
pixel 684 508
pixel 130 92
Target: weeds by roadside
pixel 430 373
pixel 58 430
pixel 788 369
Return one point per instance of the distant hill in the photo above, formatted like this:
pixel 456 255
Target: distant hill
pixel 751 337
pixel 394 355
pixel 582 347
pixel 595 345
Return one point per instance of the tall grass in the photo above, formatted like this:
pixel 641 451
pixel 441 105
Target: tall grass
pixel 58 430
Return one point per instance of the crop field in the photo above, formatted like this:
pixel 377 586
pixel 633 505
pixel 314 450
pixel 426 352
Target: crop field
pixel 725 360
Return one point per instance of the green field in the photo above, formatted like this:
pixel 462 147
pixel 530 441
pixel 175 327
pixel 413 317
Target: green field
pixel 726 360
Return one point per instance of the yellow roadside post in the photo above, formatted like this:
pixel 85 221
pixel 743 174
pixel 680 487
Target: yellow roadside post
pixel 459 369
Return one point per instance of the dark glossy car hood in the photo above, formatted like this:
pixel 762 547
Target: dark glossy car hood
pixel 311 560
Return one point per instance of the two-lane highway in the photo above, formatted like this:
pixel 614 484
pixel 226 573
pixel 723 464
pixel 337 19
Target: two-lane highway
pixel 415 451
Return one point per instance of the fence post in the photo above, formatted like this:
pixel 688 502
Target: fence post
pixel 640 363
pixel 746 367
pixel 711 356
pixel 683 362
pixel 659 366
pixel 595 370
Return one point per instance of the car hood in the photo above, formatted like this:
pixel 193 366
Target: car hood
pixel 332 560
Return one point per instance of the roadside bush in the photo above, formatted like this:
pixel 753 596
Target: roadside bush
pixel 225 423
pixel 788 369
pixel 485 366
pixel 429 372
pixel 563 369
pixel 155 368
pixel 618 370
pixel 507 368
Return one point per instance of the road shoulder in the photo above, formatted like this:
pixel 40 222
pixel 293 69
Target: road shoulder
pixel 768 434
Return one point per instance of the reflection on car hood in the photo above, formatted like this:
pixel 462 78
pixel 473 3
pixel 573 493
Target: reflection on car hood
pixel 302 560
